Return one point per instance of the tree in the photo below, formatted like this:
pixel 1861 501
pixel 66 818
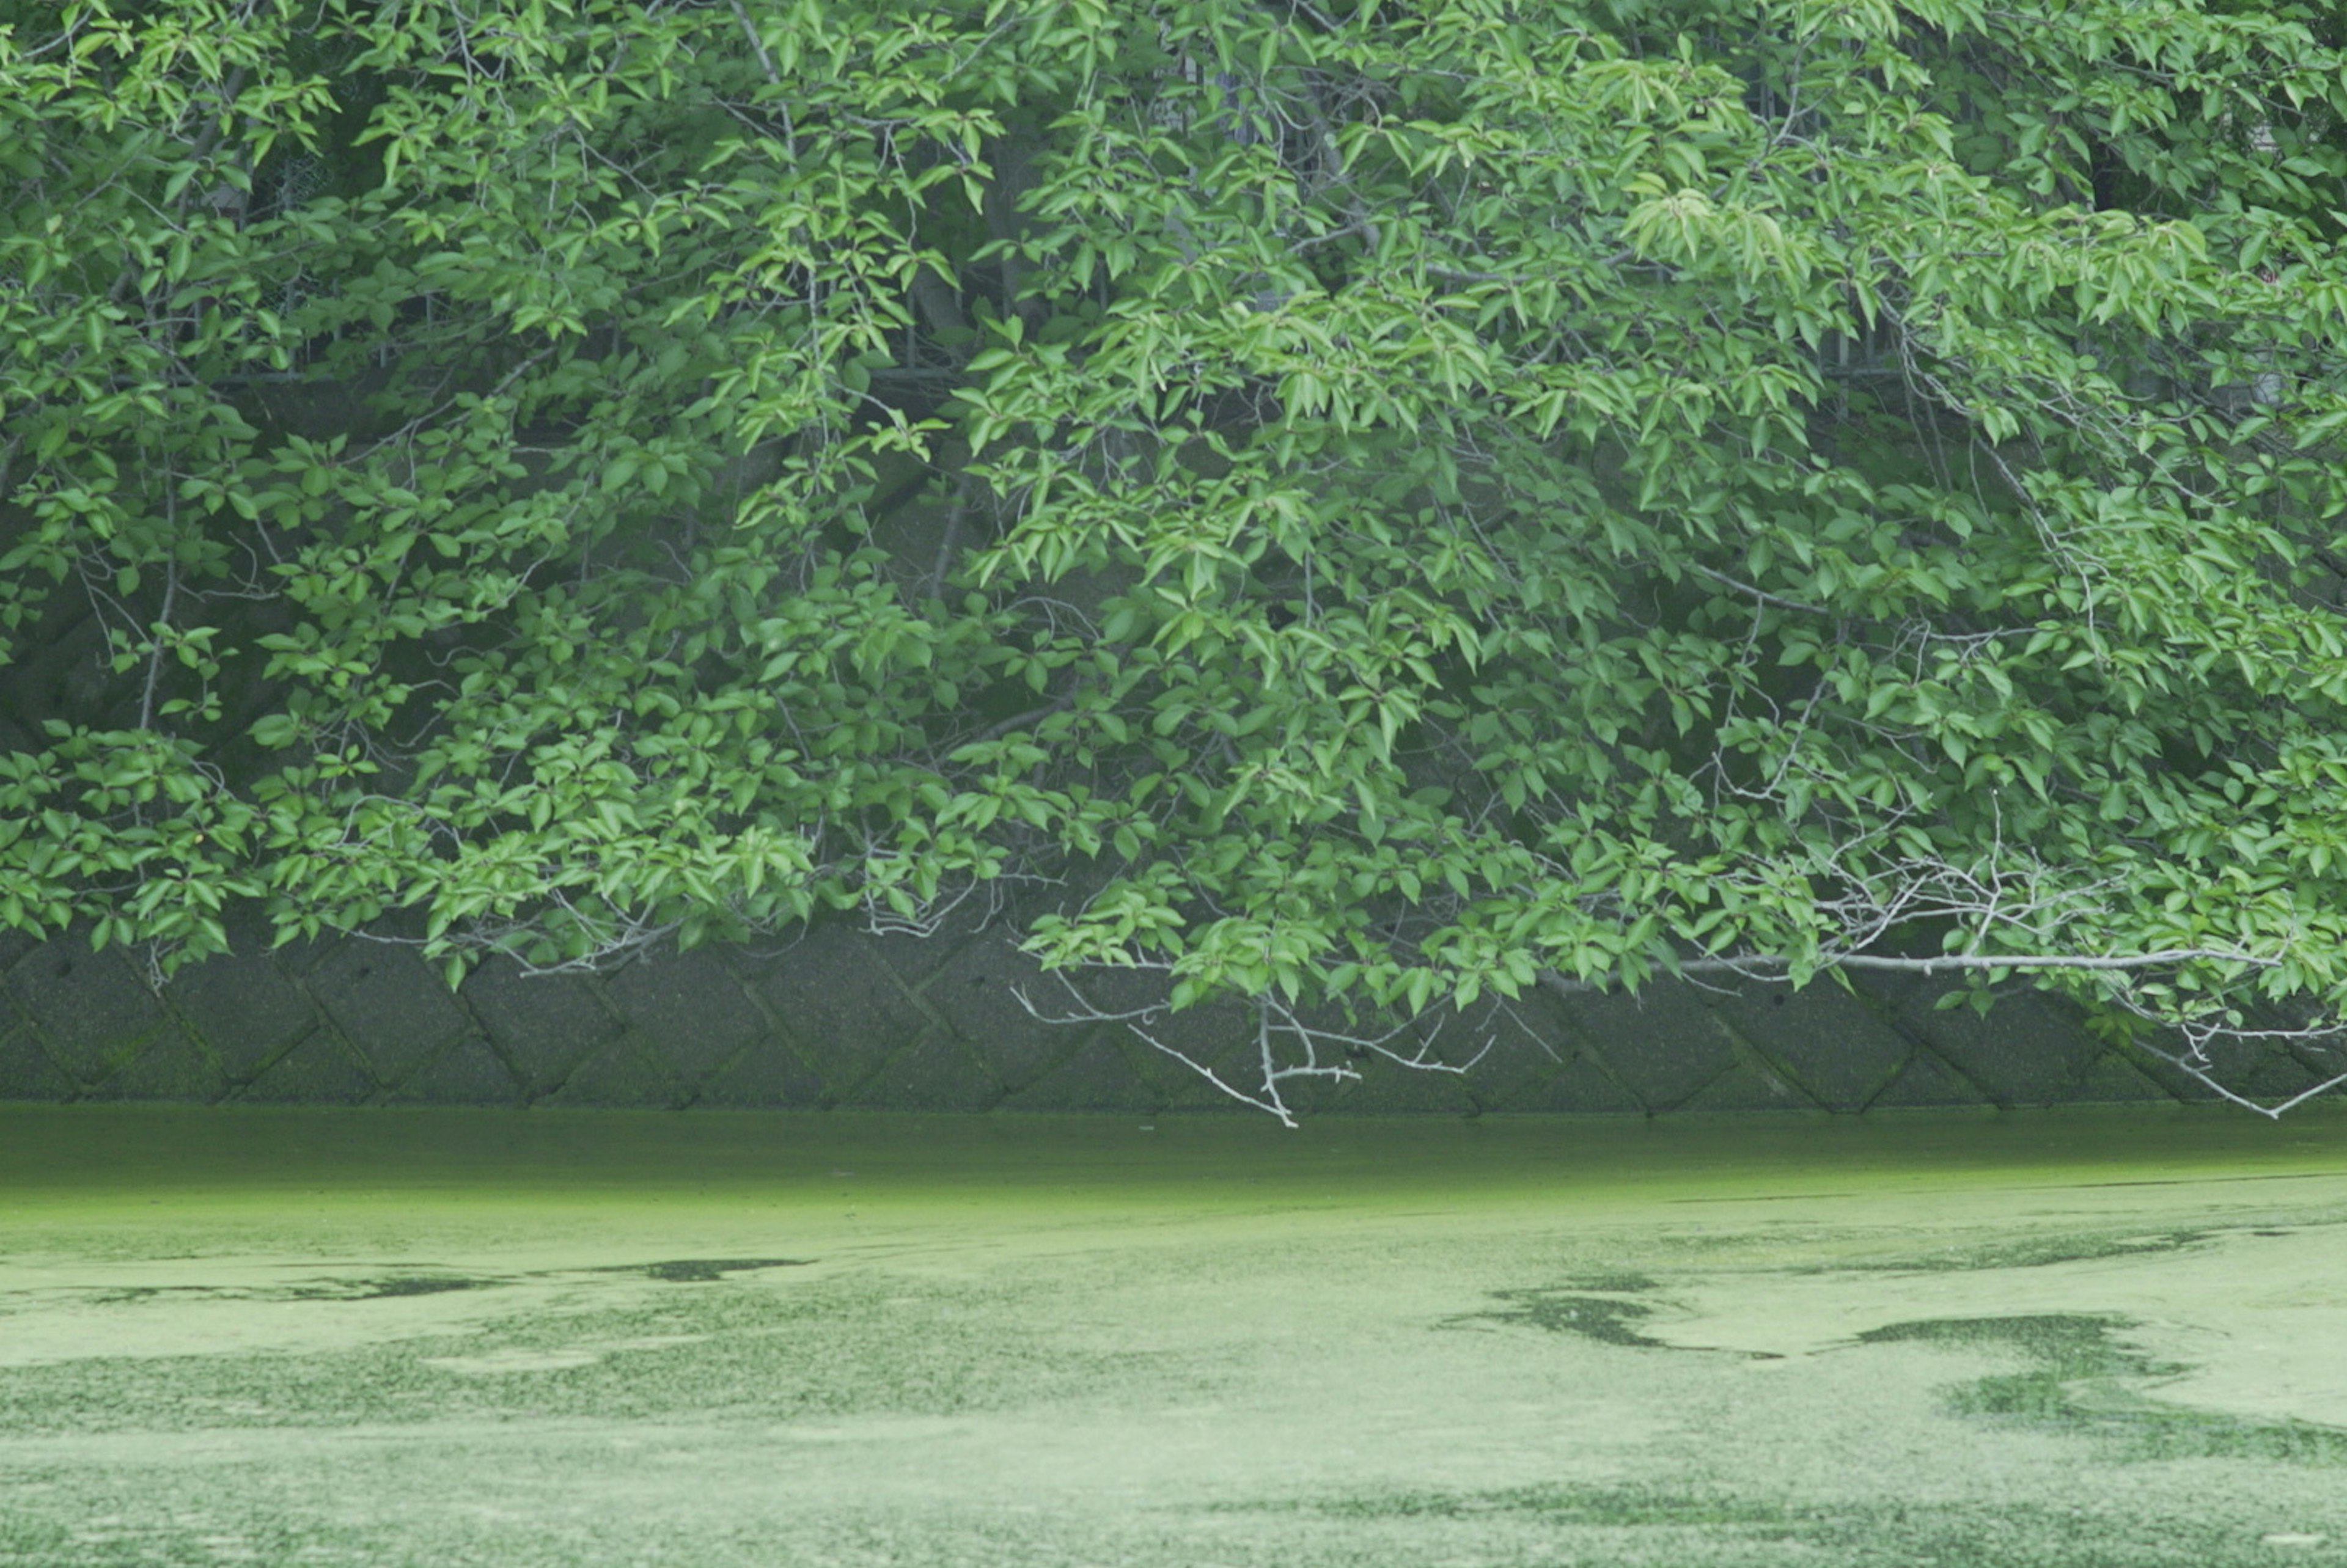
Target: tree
pixel 1383 506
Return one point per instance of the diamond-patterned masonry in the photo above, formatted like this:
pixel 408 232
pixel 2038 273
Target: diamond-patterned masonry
pixel 843 1018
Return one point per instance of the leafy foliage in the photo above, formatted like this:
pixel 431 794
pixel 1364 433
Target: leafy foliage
pixel 1386 506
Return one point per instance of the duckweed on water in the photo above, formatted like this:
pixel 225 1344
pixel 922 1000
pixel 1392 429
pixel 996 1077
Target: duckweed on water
pixel 564 1342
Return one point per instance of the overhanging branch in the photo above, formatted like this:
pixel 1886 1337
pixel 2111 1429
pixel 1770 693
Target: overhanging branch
pixel 1764 965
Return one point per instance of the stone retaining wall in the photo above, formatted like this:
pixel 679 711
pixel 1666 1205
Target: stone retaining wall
pixel 843 1018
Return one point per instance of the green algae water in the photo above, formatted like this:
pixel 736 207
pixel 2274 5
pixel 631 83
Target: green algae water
pixel 530 1340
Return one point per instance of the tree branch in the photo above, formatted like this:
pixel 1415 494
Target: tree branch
pixel 1762 594
pixel 1761 965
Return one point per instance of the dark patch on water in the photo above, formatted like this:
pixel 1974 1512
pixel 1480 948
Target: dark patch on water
pixel 674 1271
pixel 384 1287
pixel 1612 1283
pixel 1700 1523
pixel 391 1285
pixel 2080 1383
pixel 825 1351
pixel 2067 1345
pixel 1602 1506
pixel 703 1270
pixel 1565 1311
pixel 378 1288
pixel 1766 1198
pixel 2033 1252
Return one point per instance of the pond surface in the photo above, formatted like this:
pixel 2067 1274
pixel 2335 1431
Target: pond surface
pixel 451 1338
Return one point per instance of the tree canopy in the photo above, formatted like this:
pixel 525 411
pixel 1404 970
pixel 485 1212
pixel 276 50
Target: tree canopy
pixel 1379 506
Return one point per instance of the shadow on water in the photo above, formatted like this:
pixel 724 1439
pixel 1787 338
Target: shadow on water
pixel 2079 1382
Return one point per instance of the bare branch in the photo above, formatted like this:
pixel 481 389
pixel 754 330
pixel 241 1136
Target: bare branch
pixel 1762 594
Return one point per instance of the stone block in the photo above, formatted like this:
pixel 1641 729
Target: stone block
pixel 1925 1081
pixel 1210 1032
pixel 469 1072
pixel 1662 1044
pixel 618 1076
pixel 936 1073
pixel 319 1070
pixel 1178 1086
pixel 544 1025
pixel 1389 1089
pixel 1512 1050
pixel 844 1006
pixel 2267 1074
pixel 2111 1080
pixel 1577 1086
pixel 170 1067
pixel 973 991
pixel 2172 1080
pixel 1514 1067
pixel 1103 1073
pixel 300 955
pixel 1838 1048
pixel 1306 1098
pixel 1217 1034
pixel 1747 1086
pixel 918 959
pixel 390 1004
pixel 244 1008
pixel 688 1011
pixel 1223 1036
pixel 93 1010
pixel 768 1076
pixel 26 1071
pixel 2028 1050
